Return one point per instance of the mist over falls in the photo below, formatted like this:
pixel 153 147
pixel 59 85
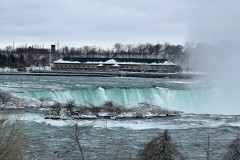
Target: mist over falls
pixel 215 35
pixel 220 62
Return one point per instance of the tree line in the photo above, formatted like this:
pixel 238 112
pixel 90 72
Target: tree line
pixel 37 56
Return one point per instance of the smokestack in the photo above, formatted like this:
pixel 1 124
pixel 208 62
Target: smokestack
pixel 53 48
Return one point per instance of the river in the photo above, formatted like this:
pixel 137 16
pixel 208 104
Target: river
pixel 202 116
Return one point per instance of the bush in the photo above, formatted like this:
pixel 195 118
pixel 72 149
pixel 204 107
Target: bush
pixel 110 106
pixel 11 138
pixel 160 148
pixel 233 152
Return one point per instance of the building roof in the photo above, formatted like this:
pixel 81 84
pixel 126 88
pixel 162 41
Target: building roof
pixel 133 60
pixel 114 62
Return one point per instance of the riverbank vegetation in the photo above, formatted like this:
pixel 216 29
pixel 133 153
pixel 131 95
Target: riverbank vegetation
pixel 107 110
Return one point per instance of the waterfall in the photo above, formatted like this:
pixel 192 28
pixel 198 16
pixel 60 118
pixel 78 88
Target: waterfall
pixel 184 100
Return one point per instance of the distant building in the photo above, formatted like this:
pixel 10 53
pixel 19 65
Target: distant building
pixel 116 64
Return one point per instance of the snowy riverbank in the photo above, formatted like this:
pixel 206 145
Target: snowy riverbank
pixel 108 110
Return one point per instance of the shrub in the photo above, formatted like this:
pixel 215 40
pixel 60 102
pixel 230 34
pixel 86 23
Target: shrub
pixel 12 138
pixel 110 106
pixel 160 148
pixel 233 152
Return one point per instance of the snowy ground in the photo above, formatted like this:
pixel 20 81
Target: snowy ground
pixel 7 69
pixel 28 69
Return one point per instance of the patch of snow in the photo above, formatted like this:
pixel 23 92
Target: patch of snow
pixel 110 61
pixel 168 63
pixel 100 65
pixel 115 65
pixel 103 114
pixel 87 116
pixel 63 61
pixel 6 69
pixel 34 68
pixel 127 115
pixel 130 63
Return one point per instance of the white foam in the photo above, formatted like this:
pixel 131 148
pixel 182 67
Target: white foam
pixel 39 119
pixel 103 93
pixel 136 124
pixel 235 124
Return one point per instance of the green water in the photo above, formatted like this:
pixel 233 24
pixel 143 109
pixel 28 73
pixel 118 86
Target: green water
pixel 189 132
pixel 128 97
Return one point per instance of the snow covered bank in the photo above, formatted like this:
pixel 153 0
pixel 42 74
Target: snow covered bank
pixel 28 69
pixel 108 110
pixel 34 68
pixel 7 69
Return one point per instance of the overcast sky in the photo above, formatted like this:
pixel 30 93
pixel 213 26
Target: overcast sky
pixel 105 22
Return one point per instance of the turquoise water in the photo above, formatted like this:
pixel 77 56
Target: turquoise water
pixel 188 95
pixel 189 132
pixel 129 97
pixel 205 114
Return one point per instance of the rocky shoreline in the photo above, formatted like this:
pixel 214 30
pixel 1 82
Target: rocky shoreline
pixel 69 110
pixel 108 110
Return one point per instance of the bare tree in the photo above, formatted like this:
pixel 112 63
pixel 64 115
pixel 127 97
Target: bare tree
pixel 4 99
pixel 11 137
pixel 160 148
pixel 77 140
pixel 9 48
pixel 233 152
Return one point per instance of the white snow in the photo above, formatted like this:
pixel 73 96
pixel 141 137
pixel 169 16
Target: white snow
pixel 6 69
pixel 168 63
pixel 130 63
pixel 110 61
pixel 114 62
pixel 34 68
pixel 100 65
pixel 63 61
pixel 115 65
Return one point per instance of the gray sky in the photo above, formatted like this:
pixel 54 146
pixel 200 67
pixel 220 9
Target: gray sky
pixel 105 22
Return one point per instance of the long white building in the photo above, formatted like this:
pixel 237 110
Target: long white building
pixel 116 64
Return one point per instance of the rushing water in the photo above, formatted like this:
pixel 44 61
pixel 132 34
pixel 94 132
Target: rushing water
pixel 190 131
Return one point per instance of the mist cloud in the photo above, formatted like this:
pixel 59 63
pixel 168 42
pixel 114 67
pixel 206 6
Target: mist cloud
pixel 216 35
